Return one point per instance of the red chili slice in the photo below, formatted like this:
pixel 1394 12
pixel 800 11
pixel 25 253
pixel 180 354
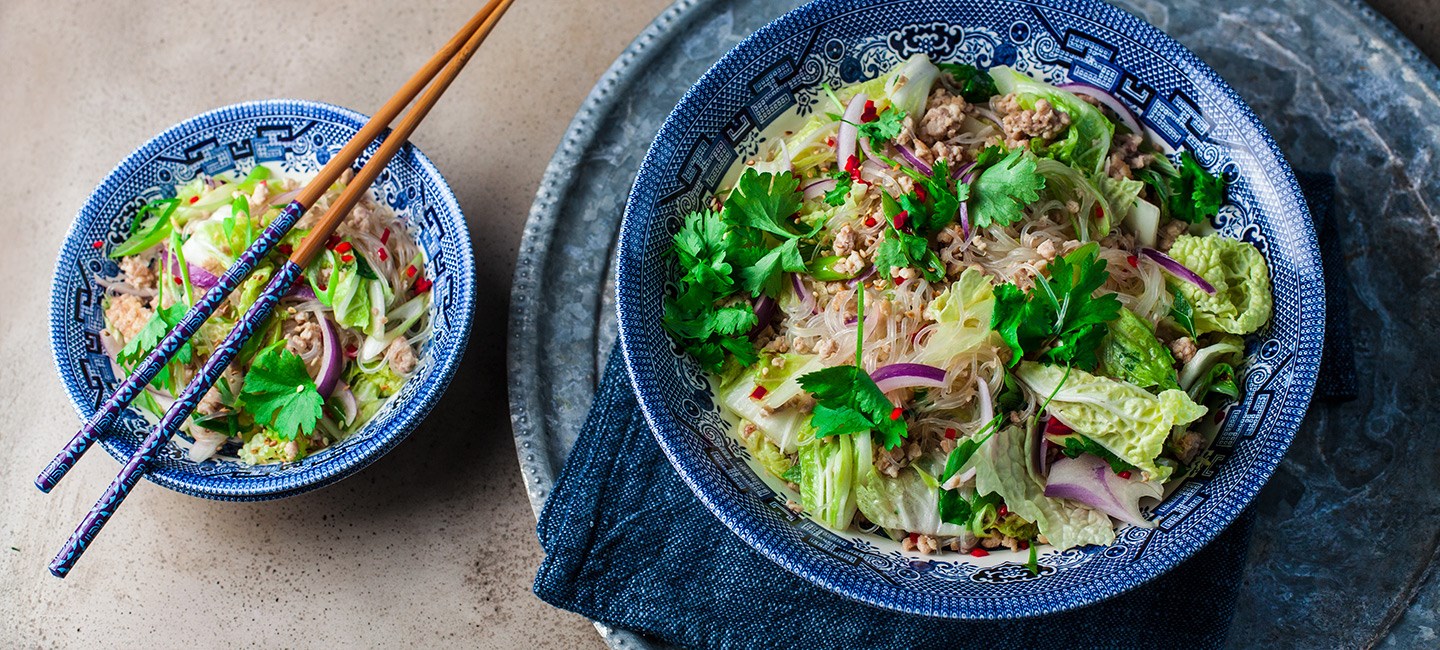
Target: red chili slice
pixel 758 393
pixel 343 247
pixel 978 552
pixel 896 413
pixel 869 114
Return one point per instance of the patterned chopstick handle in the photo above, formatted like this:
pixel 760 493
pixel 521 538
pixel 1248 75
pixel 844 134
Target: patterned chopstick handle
pixel 133 385
pixel 252 321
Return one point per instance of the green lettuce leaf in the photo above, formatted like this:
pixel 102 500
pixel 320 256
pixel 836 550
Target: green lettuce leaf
pixel 1003 468
pixel 1122 417
pixel 1130 352
pixel 1242 301
pixel 827 478
pixel 962 314
pixel 1091 145
pixel 908 502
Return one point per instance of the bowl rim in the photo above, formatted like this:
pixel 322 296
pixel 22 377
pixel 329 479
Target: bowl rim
pixel 1282 429
pixel 380 442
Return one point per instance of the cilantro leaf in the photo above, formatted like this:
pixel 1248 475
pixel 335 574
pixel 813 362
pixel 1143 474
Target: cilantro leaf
pixel 1059 318
pixel 848 401
pixel 975 84
pixel 767 275
pixel 884 128
pixel 149 336
pixel 765 202
pixel 279 391
pixel 1078 444
pixel 1004 189
pixel 1188 193
pixel 843 183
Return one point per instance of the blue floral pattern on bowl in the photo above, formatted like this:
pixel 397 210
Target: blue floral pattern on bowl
pixel 298 137
pixel 838 42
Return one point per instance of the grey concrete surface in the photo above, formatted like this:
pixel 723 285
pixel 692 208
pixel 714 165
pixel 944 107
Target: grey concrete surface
pixel 433 544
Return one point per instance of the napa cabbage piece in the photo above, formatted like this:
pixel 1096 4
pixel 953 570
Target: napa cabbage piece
pixel 827 477
pixel 781 383
pixel 1123 418
pixel 766 453
pixel 807 148
pixel 371 389
pixel 1087 141
pixel 962 314
pixel 1121 193
pixel 1004 467
pixel 906 87
pixel 910 501
pixel 1242 301
pixel 1212 369
pixel 1130 352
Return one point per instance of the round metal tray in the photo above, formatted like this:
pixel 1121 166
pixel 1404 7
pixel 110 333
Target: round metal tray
pixel 1347 535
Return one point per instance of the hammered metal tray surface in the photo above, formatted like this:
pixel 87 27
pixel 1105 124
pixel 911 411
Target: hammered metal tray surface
pixel 1347 536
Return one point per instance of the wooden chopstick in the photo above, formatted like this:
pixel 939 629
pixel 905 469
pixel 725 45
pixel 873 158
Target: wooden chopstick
pixel 254 319
pixel 155 362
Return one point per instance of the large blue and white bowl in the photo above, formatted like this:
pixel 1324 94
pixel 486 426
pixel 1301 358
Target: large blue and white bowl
pixel 844 41
pixel 298 137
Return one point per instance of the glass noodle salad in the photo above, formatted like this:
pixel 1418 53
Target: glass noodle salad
pixel 338 345
pixel 968 310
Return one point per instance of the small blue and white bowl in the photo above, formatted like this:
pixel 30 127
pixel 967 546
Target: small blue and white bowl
pixel 845 41
pixel 298 137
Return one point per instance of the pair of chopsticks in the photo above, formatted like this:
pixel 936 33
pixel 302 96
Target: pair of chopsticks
pixel 447 63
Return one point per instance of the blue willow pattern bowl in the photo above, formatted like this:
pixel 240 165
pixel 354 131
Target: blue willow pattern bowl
pixel 298 137
pixel 845 41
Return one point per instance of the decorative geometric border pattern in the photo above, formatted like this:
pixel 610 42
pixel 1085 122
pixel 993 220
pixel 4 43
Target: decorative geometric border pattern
pixel 841 41
pixel 300 137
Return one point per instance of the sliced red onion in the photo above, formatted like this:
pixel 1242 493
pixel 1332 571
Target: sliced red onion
pixel 1177 269
pixel 349 407
pixel 818 188
pixel 913 159
pixel 1090 481
pixel 199 277
pixel 332 357
pixel 764 311
pixel 1121 110
pixel 849 131
pixel 905 375
pixel 807 299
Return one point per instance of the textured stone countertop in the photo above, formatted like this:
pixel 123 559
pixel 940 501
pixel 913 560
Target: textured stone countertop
pixel 435 542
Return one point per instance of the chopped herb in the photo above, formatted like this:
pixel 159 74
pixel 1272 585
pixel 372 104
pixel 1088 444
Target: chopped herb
pixel 1078 444
pixel 279 391
pixel 765 202
pixel 1059 318
pixel 362 266
pixel 1004 189
pixel 1034 563
pixel 847 399
pixel 884 128
pixel 843 183
pixel 695 316
pixel 1188 193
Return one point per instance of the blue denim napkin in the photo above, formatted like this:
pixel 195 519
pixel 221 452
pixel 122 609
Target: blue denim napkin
pixel 627 544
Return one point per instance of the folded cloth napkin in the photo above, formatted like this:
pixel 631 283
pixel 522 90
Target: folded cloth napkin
pixel 627 544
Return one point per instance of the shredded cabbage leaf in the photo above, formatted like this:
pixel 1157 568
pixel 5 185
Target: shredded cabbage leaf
pixel 1242 302
pixel 1122 417
pixel 962 314
pixel 1003 469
